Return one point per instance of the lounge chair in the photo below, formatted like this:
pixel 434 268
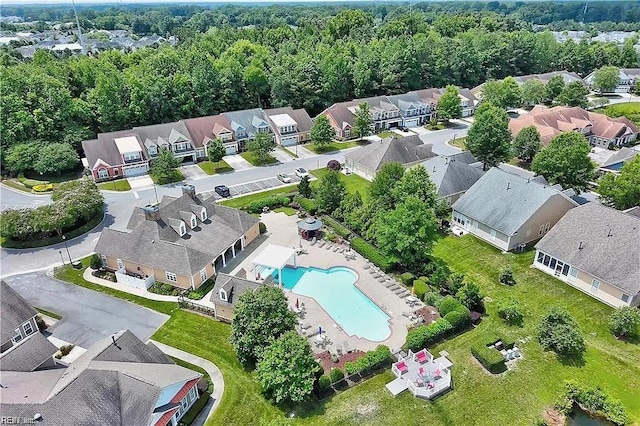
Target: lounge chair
pixel 402 367
pixel 328 247
pixel 341 250
pixel 422 357
pixel 366 267
pixel 321 244
pixel 388 284
pixel 376 276
pixel 399 290
pixel 335 249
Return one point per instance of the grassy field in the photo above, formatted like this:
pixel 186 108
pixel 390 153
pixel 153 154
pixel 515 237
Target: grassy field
pixel 176 176
pixel 211 168
pixel 631 110
pixel 251 158
pixel 240 202
pixel 352 182
pixel 387 134
pixel 458 143
pixel 115 185
pixel 286 210
pixel 333 146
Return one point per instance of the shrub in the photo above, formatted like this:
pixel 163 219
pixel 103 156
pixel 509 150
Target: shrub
pixel 43 187
pixel 420 288
pixel 336 226
pixel 334 165
pixel 163 288
pixel 440 275
pixel 96 262
pixel 459 319
pixel 423 336
pixel 30 183
pixel 469 295
pixel 506 276
pixel 371 360
pixel 272 201
pixel 407 278
pixel 559 332
pixel 324 382
pixel 262 227
pixel 40 323
pixel 510 312
pixel 307 205
pixel 625 321
pixel 448 304
pixel 336 375
pixel 455 283
pixel 432 298
pixel 594 400
pixel 490 358
pixel 372 253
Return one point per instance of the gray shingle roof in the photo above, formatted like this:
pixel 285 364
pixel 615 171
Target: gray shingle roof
pixel 248 119
pixel 453 174
pixel 609 240
pixel 131 349
pixel 234 286
pixel 29 354
pixel 504 201
pixel 170 132
pixel 105 148
pixel 14 312
pixel 405 151
pixel 156 244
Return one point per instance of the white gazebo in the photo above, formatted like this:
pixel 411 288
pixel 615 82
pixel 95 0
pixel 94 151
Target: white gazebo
pixel 276 258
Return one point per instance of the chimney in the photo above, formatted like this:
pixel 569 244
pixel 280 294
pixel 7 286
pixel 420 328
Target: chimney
pixel 151 212
pixel 190 190
pixel 581 246
pixel 113 338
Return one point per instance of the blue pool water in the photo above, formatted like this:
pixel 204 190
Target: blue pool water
pixel 335 291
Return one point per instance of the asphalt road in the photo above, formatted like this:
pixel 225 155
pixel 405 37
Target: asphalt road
pixel 87 316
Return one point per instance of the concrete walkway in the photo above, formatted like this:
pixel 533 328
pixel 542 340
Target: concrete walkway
pixel 210 368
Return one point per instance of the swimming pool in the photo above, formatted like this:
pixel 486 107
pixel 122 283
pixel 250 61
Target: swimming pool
pixel 335 291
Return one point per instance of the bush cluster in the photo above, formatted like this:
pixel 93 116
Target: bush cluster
pixel 423 336
pixel 560 333
pixel 448 304
pixel 594 400
pixel 372 253
pixel 420 288
pixel 625 321
pixel 336 375
pixel 510 312
pixel 407 278
pixel 262 227
pixel 324 382
pixel 307 205
pixel 272 201
pixel 163 288
pixel 432 298
pixel 459 319
pixel 506 276
pixel 45 187
pixel 490 358
pixel 371 360
pixel 337 227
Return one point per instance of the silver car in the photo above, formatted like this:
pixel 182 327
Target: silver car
pixel 284 178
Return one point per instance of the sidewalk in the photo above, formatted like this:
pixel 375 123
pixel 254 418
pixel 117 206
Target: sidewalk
pixel 210 368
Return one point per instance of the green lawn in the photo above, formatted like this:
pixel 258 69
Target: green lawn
pixel 176 176
pixel 459 143
pixel 49 313
pixel 211 168
pixel 115 185
pixel 631 110
pixel 12 183
pixel 388 134
pixel 251 158
pixel 352 182
pixel 286 210
pixel 334 146
pixel 245 200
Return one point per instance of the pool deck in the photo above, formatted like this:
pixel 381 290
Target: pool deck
pixel 282 230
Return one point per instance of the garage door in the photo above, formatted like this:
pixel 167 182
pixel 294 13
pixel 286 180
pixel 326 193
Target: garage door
pixel 411 123
pixel 289 141
pixel 231 150
pixel 135 170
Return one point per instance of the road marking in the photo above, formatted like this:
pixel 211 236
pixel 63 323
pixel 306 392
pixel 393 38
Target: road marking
pixel 135 194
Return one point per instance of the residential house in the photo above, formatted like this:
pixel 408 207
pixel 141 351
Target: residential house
pixel 226 292
pixel 23 346
pixel 246 124
pixel 453 174
pixel 618 159
pixel 599 129
pixel 173 137
pixel 115 154
pixel 342 119
pixel 413 110
pixel 367 160
pixel 182 241
pixel 595 249
pixel 290 126
pixel 628 78
pixel 510 211
pixel 117 381
pixel 204 130
pixel 468 100
pixel 568 77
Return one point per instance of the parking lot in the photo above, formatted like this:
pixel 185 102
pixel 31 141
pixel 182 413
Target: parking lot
pixel 249 187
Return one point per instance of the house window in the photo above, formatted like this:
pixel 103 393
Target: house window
pixel 223 295
pixel 203 215
pixel 183 229
pixel 153 150
pixel 116 172
pixel 103 173
pixel 347 132
pixel 565 270
pixel 540 257
pixel 171 277
pixel 193 393
pixel 203 275
pixel 625 298
pixel 194 223
pixel 185 404
pixel 573 272
pixel 120 264
pixel 546 260
pixel 28 329
pixel 131 156
pixel 18 336
pixel 552 264
pixel 595 285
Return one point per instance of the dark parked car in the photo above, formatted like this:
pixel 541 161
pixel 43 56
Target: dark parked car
pixel 223 191
pixel 403 128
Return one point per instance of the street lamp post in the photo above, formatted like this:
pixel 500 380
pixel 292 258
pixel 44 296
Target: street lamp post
pixel 64 239
pixel 61 258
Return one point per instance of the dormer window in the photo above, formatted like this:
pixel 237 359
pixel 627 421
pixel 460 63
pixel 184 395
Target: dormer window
pixel 153 150
pixel 223 294
pixel 18 335
pixel 203 215
pixel 194 223
pixel 183 229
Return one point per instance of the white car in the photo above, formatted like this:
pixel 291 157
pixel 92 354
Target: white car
pixel 301 172
pixel 284 178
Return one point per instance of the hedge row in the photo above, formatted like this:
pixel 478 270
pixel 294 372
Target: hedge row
pixel 423 336
pixel 490 358
pixel 272 201
pixel 307 205
pixel 420 288
pixel 336 226
pixel 372 253
pixel 371 360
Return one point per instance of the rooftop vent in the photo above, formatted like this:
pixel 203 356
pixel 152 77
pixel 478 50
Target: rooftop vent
pixel 581 245
pixel 151 212
pixel 190 190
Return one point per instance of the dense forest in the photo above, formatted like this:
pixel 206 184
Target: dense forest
pixel 234 57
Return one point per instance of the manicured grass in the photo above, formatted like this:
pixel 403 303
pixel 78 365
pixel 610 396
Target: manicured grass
pixel 286 210
pixel 74 276
pixel 387 134
pixel 459 143
pixel 49 313
pixel 176 176
pixel 16 185
pixel 240 202
pixel 291 153
pixel 631 110
pixel 43 242
pixel 352 182
pixel 54 178
pixel 251 158
pixel 115 185
pixel 211 168
pixel 333 146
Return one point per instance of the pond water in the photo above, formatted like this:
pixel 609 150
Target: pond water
pixel 580 418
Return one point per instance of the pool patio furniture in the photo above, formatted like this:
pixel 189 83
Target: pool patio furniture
pixel 366 266
pixel 435 375
pixel 516 352
pixel 422 357
pixel 402 367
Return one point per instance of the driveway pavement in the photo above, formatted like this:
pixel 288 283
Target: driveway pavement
pixel 193 172
pixel 237 162
pixel 283 156
pixel 87 316
pixel 138 182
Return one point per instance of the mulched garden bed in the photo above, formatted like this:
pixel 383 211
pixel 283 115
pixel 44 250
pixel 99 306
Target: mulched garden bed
pixel 327 362
pixel 425 312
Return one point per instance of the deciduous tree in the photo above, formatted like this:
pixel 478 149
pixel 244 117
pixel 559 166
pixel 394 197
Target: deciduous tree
pixel 606 79
pixel 554 87
pixel 622 191
pixel 164 167
pixel 304 187
pixel 526 144
pixel 362 123
pixel 416 182
pixel 574 94
pixel 322 133
pixel 489 139
pixel 22 157
pixel 56 158
pixel 625 321
pixel 215 150
pixel 449 104
pixel 382 187
pixel 559 332
pixel 533 92
pixel 261 146
pixel 331 191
